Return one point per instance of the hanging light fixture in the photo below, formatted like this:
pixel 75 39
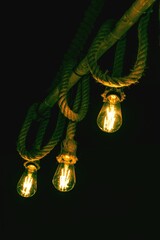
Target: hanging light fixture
pixel 74 107
pixel 64 178
pixel 109 118
pixel 27 185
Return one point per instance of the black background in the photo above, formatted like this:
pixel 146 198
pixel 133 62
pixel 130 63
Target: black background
pixel 114 190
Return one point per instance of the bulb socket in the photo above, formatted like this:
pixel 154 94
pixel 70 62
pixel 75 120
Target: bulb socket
pixel 33 163
pixel 113 91
pixel 68 152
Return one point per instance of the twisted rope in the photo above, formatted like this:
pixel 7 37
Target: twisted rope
pixel 81 36
pixel 85 28
pixel 36 153
pixel 119 56
pixel 79 110
pixel 138 69
pixel 82 93
pixel 68 66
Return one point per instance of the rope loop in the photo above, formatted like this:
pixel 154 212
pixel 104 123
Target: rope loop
pixel 81 99
pixel 136 73
pixel 38 151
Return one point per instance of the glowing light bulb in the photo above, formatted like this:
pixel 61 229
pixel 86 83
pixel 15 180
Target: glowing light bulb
pixel 64 178
pixel 110 117
pixel 27 185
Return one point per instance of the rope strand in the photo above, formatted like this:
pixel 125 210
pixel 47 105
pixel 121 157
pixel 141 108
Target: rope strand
pixel 138 69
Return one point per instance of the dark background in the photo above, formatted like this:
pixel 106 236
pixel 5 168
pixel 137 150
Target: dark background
pixel 116 173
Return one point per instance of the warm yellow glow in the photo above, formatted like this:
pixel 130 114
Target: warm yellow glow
pixel 27 185
pixel 64 178
pixel 110 117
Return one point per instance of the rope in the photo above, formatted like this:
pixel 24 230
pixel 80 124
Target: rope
pixel 81 102
pixel 85 28
pixel 70 133
pixel 119 56
pixel 138 69
pixel 117 69
pixel 77 44
pixel 67 67
pixel 82 93
pixel 36 153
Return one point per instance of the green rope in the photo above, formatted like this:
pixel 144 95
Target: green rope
pixel 37 152
pixel 138 69
pixel 67 67
pixel 84 96
pixel 81 102
pixel 75 49
pixel 119 57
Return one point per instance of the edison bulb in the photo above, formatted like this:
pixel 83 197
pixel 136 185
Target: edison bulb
pixel 27 185
pixel 64 178
pixel 110 117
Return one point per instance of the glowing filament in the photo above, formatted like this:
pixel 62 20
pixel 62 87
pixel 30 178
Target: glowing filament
pixel 64 178
pixel 110 117
pixel 27 185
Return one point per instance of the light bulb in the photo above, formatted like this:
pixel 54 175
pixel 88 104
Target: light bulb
pixel 64 178
pixel 110 117
pixel 27 185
